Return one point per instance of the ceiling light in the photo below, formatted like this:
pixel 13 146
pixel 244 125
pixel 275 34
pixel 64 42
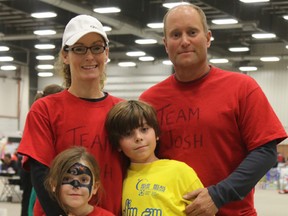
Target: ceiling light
pixel 247 68
pixel 263 35
pixel 8 67
pixel 270 59
pixel 4 48
pixel 104 10
pixel 44 15
pixel 44 32
pixel 127 64
pixel 155 25
pixel 173 4
pixel 6 58
pixel 45 74
pixel 107 28
pixel 286 46
pixel 239 49
pixel 285 17
pixel 45 57
pixel 146 58
pixel 224 21
pixel 44 46
pixel 135 53
pixel 167 62
pixel 254 1
pixel 146 41
pixel 45 66
pixel 219 61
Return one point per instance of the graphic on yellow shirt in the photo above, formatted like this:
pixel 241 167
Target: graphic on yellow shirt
pixel 157 189
pixel 144 189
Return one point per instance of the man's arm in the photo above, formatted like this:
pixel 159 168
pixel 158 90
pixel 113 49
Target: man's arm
pixel 38 173
pixel 245 177
pixel 237 185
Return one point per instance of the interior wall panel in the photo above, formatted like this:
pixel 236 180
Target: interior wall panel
pixel 273 79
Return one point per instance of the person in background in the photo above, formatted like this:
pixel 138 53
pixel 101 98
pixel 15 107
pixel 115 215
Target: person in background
pixel 29 194
pixel 151 186
pixel 218 122
pixel 75 116
pixel 49 89
pixel 73 179
pixel 9 165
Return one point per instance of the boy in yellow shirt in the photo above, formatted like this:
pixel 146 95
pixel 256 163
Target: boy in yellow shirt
pixel 152 186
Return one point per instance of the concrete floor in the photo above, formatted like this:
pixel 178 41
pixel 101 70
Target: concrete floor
pixel 267 202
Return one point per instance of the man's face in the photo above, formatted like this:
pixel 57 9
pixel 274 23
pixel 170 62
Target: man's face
pixel 186 41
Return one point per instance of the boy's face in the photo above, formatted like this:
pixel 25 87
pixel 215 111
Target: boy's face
pixel 139 144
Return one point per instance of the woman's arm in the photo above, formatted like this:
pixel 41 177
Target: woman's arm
pixel 38 173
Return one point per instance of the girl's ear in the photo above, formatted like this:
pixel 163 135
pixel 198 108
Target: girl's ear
pixel 157 138
pixel 95 187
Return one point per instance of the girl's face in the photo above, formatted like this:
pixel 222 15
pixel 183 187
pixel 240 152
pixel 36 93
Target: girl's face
pixel 78 186
pixel 88 66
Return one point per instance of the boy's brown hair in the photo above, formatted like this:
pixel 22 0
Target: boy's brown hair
pixel 127 116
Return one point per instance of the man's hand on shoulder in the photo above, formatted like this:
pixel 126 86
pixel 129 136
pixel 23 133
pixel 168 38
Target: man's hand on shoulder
pixel 202 204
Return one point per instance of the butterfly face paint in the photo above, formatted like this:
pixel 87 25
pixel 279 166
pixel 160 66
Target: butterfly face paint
pixel 79 175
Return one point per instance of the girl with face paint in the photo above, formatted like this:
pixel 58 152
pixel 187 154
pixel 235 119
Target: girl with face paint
pixel 73 181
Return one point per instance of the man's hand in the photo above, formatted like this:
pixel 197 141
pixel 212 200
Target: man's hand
pixel 202 204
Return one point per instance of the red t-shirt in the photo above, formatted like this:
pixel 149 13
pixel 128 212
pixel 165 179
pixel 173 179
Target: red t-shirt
pixel 212 123
pixel 100 212
pixel 58 121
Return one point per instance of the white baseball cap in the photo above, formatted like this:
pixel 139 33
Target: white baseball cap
pixel 79 26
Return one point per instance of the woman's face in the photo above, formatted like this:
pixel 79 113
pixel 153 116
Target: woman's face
pixel 89 66
pixel 78 186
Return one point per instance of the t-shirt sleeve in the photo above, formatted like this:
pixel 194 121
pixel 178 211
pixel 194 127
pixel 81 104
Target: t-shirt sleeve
pixel 37 139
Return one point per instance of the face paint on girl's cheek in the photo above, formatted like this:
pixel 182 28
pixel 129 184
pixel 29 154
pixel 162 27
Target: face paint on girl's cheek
pixel 79 175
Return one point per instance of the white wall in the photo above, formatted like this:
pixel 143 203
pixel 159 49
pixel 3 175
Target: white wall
pixel 273 79
pixel 14 89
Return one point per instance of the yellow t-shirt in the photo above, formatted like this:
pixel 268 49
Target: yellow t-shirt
pixel 157 188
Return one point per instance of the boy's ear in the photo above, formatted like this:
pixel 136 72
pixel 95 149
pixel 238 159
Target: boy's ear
pixel 157 138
